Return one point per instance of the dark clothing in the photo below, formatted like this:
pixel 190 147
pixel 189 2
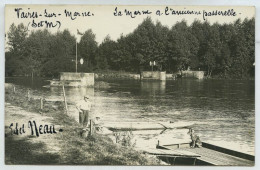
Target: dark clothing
pixel 84 117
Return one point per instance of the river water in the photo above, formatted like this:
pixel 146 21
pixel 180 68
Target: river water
pixel 223 111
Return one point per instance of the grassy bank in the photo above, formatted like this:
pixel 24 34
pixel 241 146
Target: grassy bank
pixel 74 149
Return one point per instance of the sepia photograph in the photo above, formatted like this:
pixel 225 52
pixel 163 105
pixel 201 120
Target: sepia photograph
pixel 129 85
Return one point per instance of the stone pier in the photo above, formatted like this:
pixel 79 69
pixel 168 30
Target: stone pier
pixel 74 80
pixel 153 75
pixel 193 74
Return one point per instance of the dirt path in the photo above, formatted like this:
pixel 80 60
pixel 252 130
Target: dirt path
pixel 27 148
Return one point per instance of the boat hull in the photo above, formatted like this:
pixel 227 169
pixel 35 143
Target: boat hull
pixel 124 126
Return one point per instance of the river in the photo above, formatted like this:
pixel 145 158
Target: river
pixel 223 111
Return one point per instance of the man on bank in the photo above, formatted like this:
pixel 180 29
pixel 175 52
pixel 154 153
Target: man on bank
pixel 84 107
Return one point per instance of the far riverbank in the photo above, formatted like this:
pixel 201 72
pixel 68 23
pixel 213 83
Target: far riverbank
pixel 110 74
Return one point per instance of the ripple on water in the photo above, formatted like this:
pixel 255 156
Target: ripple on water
pixel 223 111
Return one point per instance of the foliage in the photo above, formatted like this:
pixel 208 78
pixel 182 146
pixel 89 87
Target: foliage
pixel 223 50
pixel 87 50
pixel 182 47
pixel 14 57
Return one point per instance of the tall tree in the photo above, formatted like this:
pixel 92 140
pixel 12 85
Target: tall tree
pixel 224 60
pixel 62 54
pixel 16 39
pixel 121 56
pixel 87 50
pixel 160 43
pixel 182 47
pixel 213 49
pixel 105 53
pixel 144 47
pixel 37 51
pixel 240 52
pixel 201 32
pixel 249 31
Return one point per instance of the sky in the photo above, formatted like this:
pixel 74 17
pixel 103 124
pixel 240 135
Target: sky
pixel 105 20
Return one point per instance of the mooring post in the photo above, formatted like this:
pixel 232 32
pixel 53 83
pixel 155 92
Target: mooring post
pixel 91 128
pixel 65 101
pixel 28 94
pixel 174 160
pixel 41 104
pixel 194 163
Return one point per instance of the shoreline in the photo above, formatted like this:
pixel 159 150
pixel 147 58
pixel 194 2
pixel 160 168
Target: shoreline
pixel 121 75
pixel 72 148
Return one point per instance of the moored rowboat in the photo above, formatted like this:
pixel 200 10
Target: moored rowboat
pixel 123 126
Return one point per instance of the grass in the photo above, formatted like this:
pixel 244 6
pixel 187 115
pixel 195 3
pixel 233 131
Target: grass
pixel 26 153
pixel 75 150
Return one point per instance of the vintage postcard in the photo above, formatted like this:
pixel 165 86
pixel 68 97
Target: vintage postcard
pixel 129 85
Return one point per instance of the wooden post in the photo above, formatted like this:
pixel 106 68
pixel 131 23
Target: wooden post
pixel 28 94
pixel 91 128
pixel 76 57
pixel 174 160
pixel 14 89
pixel 194 163
pixel 65 101
pixel 41 103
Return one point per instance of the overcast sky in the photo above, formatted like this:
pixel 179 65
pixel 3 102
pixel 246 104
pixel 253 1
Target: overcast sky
pixel 104 22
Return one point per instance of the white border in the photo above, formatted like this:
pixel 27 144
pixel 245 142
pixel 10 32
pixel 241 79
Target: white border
pixel 255 3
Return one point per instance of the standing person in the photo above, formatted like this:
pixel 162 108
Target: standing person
pixel 84 107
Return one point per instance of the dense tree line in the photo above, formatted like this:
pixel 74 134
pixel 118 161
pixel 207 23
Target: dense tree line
pixel 224 50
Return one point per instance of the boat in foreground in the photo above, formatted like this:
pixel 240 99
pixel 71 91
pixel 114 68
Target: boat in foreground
pixel 208 154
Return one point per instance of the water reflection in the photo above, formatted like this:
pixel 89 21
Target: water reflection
pixel 75 94
pixel 153 87
pixel 223 110
pixel 34 83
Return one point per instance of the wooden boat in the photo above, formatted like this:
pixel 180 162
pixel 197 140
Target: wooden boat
pixel 208 154
pixel 124 126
